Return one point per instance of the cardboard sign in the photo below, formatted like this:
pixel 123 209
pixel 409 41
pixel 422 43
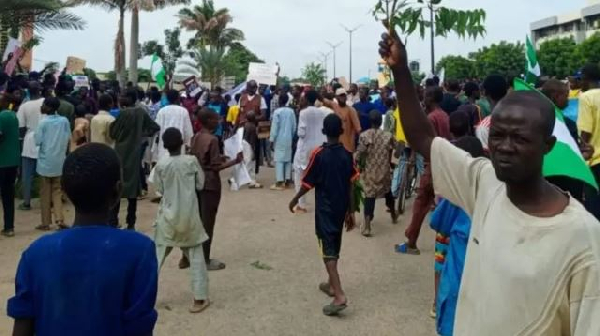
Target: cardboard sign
pixel 263 129
pixel 11 47
pixel 191 86
pixel 75 65
pixel 81 81
pixel 12 64
pixel 263 73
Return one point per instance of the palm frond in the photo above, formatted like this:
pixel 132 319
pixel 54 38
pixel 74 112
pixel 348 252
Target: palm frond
pixel 50 20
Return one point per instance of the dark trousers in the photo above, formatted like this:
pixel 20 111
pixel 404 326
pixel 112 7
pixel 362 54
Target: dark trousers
pixel 592 197
pixel 143 182
pixel 421 206
pixel 131 210
pixel 370 205
pixel 208 203
pixel 8 176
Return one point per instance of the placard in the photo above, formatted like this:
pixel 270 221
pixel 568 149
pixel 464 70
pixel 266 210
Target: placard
pixel 81 81
pixel 75 65
pixel 263 73
pixel 191 86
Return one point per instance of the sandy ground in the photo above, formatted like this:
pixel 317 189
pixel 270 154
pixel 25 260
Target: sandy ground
pixel 389 294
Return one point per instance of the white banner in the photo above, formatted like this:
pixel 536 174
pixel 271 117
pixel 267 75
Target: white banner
pixel 263 73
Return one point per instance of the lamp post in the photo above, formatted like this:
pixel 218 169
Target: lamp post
pixel 333 47
pixel 324 58
pixel 350 32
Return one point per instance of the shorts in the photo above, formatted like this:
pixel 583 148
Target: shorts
pixel 441 249
pixel 330 246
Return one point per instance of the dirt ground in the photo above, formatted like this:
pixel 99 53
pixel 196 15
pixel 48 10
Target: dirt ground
pixel 389 294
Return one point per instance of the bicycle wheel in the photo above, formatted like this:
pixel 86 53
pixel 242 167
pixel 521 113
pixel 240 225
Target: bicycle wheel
pixel 402 192
pixel 411 187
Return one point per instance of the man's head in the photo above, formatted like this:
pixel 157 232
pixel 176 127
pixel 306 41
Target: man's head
pixel 452 86
pixel 172 140
pixel 433 97
pixel 340 95
pixel 459 124
pixel 495 88
pixel 384 93
pixel 208 118
pixel 471 145
pixel 520 135
pixel 283 100
pixel 590 76
pixel 83 92
pixel 155 96
pixel 390 103
pixel 251 87
pixel 131 93
pixel 472 91
pixel 35 89
pixel 296 91
pixel 5 101
pixel 173 97
pixel 376 119
pixel 105 102
pixel 332 126
pixel 214 97
pixel 353 89
pixel 557 92
pixel 311 97
pixel 50 105
pixel 91 178
pixel 363 94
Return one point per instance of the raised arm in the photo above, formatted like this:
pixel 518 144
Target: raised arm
pixel 418 130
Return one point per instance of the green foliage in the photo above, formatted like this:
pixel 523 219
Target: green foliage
pixel 170 52
pixel 238 57
pixel 456 67
pixel 210 25
pixel 417 76
pixel 211 62
pixel 587 52
pixel 144 75
pixel 314 74
pixel 90 73
pixel 283 80
pixel 411 16
pixel 506 59
pixel 47 14
pixel 557 57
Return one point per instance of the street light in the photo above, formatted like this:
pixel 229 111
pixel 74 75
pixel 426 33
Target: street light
pixel 324 58
pixel 350 31
pixel 333 47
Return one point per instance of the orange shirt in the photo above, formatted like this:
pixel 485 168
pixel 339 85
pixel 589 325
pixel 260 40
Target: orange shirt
pixel 351 126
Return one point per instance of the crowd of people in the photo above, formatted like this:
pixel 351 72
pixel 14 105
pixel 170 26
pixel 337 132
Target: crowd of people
pixel 511 244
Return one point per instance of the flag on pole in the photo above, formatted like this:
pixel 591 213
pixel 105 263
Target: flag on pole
pixel 158 71
pixel 565 159
pixel 533 67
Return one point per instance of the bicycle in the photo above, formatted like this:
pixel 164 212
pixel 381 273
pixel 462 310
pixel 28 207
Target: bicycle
pixel 408 182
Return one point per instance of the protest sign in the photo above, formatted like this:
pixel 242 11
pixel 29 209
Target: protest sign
pixel 11 47
pixel 263 73
pixel 191 86
pixel 75 65
pixel 232 147
pixel 12 63
pixel 263 129
pixel 81 81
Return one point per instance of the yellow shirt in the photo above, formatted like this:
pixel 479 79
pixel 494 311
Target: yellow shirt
pixel 574 93
pixel 399 130
pixel 589 120
pixel 232 114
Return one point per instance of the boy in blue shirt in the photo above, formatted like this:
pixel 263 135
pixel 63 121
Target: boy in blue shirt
pixel 52 136
pixel 331 172
pixel 92 279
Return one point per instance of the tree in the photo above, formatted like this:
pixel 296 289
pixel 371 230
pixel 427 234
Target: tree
pixel 506 59
pixel 587 52
pixel 210 25
pixel 238 57
pixel 144 75
pixel 170 52
pixel 211 62
pixel 38 15
pixel 556 57
pixel 314 74
pixel 456 67
pixel 136 6
pixel 411 15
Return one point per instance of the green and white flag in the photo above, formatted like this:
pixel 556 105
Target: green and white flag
pixel 565 159
pixel 158 71
pixel 533 67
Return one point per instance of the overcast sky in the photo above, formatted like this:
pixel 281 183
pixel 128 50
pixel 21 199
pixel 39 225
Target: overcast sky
pixel 294 32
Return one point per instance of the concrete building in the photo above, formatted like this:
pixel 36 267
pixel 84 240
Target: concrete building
pixel 578 25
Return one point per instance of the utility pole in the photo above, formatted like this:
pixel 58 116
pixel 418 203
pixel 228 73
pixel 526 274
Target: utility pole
pixel 333 47
pixel 324 58
pixel 430 6
pixel 350 31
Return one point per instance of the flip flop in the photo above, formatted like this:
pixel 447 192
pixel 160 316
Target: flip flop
pixel 325 288
pixel 215 265
pixel 62 226
pixel 404 249
pixel 43 227
pixel 196 308
pixel 333 309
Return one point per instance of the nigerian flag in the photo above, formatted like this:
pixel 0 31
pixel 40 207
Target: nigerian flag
pixel 533 67
pixel 158 71
pixel 565 159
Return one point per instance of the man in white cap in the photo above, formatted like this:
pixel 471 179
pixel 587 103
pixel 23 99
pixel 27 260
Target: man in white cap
pixel 350 122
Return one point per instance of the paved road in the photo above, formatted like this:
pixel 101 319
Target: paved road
pixel 388 294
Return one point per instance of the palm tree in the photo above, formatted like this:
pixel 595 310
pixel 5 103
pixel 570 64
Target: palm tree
pixel 210 25
pixel 211 61
pixel 136 6
pixel 314 73
pixel 38 15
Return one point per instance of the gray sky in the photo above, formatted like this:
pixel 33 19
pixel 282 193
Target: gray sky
pixel 293 32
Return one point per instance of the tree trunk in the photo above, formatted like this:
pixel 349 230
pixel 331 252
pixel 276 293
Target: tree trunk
pixel 432 39
pixel 120 50
pixel 134 46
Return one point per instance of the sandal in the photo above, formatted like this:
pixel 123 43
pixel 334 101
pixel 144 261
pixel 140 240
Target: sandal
pixel 43 227
pixel 325 288
pixel 215 265
pixel 198 308
pixel 333 309
pixel 405 249
pixel 62 226
pixel 300 210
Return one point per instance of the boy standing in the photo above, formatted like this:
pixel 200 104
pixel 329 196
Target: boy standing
pixel 177 177
pixel 9 162
pixel 52 136
pixel 90 279
pixel 331 171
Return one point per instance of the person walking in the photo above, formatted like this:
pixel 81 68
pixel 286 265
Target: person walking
pixel 9 162
pixel 283 129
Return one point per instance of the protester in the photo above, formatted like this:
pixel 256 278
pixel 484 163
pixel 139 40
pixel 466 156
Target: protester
pixel 178 177
pixel 349 116
pixel 283 130
pixel 29 115
pixel 251 138
pixel 450 103
pixel 100 124
pixel 425 194
pixel 470 107
pixel 205 147
pixel 375 147
pixel 495 88
pixel 554 243
pixel 91 279
pixel 128 131
pixel 251 101
pixel 310 137
pixel 353 95
pixel 389 122
pixel 9 162
pixel 81 129
pixel 364 107
pixel 173 115
pixel 66 109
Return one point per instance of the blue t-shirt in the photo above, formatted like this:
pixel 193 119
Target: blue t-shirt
pixel 363 110
pixel 88 280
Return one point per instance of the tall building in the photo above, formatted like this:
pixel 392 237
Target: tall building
pixel 579 25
